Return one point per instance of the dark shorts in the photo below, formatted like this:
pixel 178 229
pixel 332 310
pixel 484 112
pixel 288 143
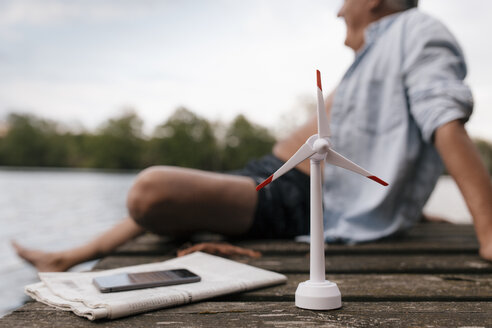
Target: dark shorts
pixel 283 205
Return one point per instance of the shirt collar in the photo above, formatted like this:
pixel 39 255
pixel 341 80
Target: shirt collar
pixel 371 34
pixel 375 29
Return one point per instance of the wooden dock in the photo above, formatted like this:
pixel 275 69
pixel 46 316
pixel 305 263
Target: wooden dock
pixel 430 277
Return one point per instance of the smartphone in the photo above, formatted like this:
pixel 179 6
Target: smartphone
pixel 130 281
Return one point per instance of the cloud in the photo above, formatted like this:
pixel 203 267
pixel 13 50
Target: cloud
pixel 84 59
pixel 35 12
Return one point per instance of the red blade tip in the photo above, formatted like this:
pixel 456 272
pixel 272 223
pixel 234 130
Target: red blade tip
pixel 264 183
pixel 378 180
pixel 318 79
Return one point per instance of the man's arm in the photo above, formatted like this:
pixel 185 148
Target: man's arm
pixel 463 162
pixel 284 149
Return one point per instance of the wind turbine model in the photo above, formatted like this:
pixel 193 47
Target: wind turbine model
pixel 318 293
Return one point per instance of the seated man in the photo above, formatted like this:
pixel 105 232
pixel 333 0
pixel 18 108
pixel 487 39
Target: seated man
pixel 398 111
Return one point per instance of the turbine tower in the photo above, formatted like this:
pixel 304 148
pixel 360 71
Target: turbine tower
pixel 317 293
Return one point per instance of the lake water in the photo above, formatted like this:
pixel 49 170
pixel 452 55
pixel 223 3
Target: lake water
pixel 53 210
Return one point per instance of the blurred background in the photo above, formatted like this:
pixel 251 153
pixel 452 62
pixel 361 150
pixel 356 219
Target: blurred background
pixel 93 91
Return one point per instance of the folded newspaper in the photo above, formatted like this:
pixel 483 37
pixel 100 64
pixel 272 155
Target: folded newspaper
pixel 74 291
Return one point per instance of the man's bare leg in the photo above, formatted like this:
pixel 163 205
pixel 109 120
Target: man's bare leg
pixel 167 201
pixel 63 260
pixel 176 201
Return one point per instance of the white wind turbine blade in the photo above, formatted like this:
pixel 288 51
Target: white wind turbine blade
pixel 303 153
pixel 336 159
pixel 323 123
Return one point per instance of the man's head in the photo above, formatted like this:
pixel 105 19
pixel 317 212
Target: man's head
pixel 358 14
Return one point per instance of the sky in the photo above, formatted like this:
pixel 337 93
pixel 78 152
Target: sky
pixel 83 61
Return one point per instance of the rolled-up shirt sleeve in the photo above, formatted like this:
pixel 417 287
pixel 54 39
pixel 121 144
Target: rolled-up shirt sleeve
pixel 434 69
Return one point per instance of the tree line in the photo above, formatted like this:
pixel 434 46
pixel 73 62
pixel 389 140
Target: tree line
pixel 185 139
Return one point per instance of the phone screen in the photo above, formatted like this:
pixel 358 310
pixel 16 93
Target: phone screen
pixel 129 281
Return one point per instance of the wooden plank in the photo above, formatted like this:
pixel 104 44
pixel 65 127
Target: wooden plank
pixel 383 286
pixel 281 247
pixel 403 245
pixel 356 263
pixel 151 244
pixel 391 263
pixel 273 314
pixel 387 287
pixel 424 238
pixel 433 228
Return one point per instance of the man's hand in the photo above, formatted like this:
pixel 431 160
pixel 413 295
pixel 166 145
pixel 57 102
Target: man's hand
pixel 486 250
pixel 223 249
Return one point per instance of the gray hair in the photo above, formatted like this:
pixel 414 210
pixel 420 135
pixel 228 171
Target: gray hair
pixel 401 5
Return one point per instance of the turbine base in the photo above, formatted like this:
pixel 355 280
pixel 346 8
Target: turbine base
pixel 318 295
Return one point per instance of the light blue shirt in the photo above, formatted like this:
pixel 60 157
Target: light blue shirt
pixel 405 83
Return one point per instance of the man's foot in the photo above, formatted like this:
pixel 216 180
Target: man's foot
pixel 43 261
